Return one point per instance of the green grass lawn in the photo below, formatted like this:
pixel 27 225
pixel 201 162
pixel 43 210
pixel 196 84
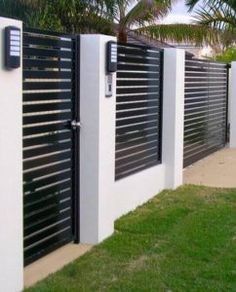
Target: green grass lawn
pixel 183 240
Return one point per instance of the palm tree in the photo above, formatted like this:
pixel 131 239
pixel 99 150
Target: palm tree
pixel 219 15
pixel 143 17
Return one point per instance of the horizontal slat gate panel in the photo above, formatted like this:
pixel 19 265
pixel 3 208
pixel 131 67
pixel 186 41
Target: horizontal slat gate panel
pixel 48 99
pixel 205 120
pixel 138 108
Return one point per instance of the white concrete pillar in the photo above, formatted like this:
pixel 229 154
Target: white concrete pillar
pixel 232 105
pixel 97 142
pixel 11 190
pixel 173 116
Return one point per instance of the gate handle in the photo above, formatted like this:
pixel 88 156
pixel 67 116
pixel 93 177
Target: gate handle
pixel 75 125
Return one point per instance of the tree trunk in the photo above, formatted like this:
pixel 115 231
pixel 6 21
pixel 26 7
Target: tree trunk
pixel 122 36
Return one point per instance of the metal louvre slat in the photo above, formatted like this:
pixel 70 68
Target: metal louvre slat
pixel 47 200
pixel 40 129
pixel 45 41
pixel 135 120
pixel 137 97
pixel 147 89
pixel 137 75
pixel 201 108
pixel 133 128
pixel 204 112
pixel 125 106
pixel 47 74
pixel 191 124
pixel 198 132
pixel 202 147
pixel 44 52
pixel 203 79
pixel 47 85
pixel 126 138
pixel 49 244
pixel 48 138
pixel 46 211
pixel 53 178
pixel 43 161
pixel 52 117
pixel 42 64
pixel 136 166
pixel 46 149
pixel 202 98
pixel 29 176
pixel 137 82
pixel 205 93
pixel 34 239
pixel 44 96
pixel 205 69
pixel 138 109
pixel 189 74
pixel 134 59
pixel 49 191
pixel 138 67
pixel 46 107
pixel 136 141
pixel 206 100
pixel 138 51
pixel 53 218
pixel 138 148
pixel 205 88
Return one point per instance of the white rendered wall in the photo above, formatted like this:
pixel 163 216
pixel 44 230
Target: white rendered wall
pixel 102 199
pixel 173 116
pixel 11 193
pixel 136 189
pixel 232 105
pixel 97 142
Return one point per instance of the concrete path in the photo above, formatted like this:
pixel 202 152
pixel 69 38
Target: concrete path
pixel 53 262
pixel 216 170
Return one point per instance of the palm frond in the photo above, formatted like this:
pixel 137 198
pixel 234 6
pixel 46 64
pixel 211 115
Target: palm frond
pixel 222 18
pixel 192 3
pixel 146 11
pixel 182 33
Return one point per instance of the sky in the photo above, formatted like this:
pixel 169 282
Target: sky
pixel 179 14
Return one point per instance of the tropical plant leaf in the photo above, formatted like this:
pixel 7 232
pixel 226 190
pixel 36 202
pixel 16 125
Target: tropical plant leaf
pixel 182 33
pixel 146 11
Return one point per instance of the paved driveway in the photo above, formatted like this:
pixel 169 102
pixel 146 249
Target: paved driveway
pixel 216 170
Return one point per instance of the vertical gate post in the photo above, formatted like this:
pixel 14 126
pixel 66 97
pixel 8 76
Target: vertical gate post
pixel 232 105
pixel 97 141
pixel 173 116
pixel 11 193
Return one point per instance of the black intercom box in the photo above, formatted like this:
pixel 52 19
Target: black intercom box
pixel 111 57
pixel 12 47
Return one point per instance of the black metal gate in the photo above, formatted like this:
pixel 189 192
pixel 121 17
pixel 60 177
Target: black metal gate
pixel 50 135
pixel 206 106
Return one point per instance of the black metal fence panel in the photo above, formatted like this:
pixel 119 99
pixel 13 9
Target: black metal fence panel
pixel 48 161
pixel 138 109
pixel 206 102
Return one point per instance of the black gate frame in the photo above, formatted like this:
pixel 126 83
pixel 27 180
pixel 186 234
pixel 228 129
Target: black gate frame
pixel 190 161
pixel 75 140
